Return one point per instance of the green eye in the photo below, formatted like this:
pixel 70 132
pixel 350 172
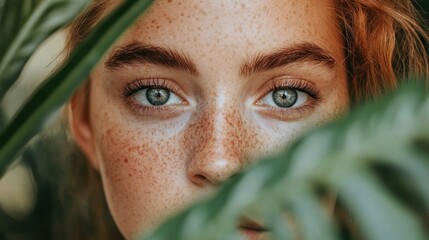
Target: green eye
pixel 157 96
pixel 285 98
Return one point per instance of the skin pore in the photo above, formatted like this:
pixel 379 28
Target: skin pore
pixel 197 90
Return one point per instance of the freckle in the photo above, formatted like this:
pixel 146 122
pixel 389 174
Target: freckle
pixel 204 13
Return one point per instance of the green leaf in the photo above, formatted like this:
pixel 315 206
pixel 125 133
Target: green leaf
pixel 278 229
pixel 312 219
pixel 59 87
pixel 377 213
pixel 21 40
pixel 12 17
pixel 414 165
pixel 419 174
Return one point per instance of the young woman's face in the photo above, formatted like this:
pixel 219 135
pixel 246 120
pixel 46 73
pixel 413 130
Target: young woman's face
pixel 197 90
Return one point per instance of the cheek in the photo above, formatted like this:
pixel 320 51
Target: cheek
pixel 142 178
pixel 334 106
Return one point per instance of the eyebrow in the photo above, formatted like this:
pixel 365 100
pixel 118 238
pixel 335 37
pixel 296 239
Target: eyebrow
pixel 298 53
pixel 139 53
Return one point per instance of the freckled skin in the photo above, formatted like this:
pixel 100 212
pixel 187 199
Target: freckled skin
pixel 153 166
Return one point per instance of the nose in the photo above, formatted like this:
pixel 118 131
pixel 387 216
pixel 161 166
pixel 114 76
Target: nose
pixel 218 146
pixel 213 172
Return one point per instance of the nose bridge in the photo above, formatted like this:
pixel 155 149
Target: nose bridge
pixel 218 144
pixel 226 130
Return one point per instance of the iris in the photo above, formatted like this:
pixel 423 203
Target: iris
pixel 285 98
pixel 157 96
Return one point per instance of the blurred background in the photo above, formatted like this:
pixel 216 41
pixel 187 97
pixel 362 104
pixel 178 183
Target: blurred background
pixel 30 190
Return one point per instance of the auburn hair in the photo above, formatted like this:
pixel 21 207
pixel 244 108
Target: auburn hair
pixel 385 42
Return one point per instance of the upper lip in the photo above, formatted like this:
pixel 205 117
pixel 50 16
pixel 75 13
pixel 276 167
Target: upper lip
pixel 252 224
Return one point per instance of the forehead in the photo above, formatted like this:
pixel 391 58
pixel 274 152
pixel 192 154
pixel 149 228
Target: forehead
pixel 241 27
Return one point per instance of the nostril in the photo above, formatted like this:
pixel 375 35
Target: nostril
pixel 199 179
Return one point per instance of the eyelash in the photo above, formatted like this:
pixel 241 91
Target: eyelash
pixel 140 84
pixel 296 84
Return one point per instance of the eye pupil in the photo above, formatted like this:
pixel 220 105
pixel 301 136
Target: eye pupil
pixel 157 96
pixel 285 98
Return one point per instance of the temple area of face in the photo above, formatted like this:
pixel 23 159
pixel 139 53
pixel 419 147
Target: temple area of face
pixel 137 53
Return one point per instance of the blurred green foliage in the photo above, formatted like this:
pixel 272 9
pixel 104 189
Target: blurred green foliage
pixel 24 26
pixel 39 20
pixel 59 87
